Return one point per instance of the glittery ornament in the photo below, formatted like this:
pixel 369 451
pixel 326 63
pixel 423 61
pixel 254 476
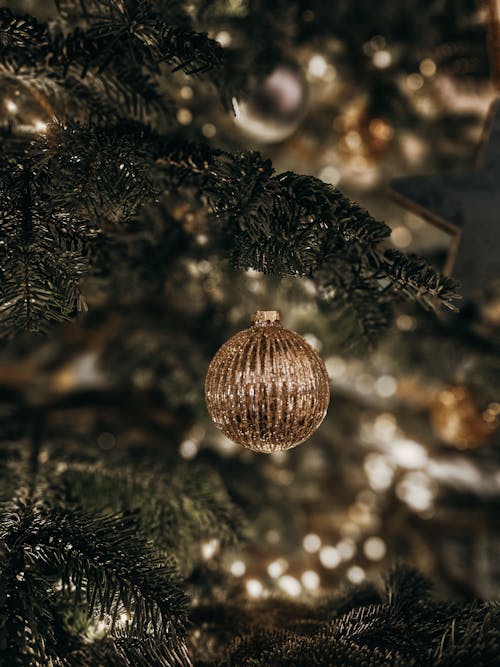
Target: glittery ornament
pixel 276 105
pixel 266 388
pixel 458 421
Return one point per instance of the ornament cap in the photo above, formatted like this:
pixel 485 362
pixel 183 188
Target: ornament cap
pixel 265 317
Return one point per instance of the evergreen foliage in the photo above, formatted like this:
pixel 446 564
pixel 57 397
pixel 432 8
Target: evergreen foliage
pixel 100 166
pixel 103 210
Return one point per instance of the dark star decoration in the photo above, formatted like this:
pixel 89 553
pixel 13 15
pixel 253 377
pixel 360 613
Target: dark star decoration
pixel 467 206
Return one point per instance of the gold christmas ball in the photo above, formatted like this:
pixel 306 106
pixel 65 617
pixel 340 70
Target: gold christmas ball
pixel 458 421
pixel 266 388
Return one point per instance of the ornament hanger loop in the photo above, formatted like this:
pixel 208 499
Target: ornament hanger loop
pixel 265 317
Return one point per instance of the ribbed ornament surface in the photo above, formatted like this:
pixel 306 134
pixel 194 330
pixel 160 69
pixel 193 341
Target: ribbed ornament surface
pixel 266 388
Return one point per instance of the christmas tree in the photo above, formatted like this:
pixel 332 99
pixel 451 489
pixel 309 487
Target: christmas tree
pixel 169 168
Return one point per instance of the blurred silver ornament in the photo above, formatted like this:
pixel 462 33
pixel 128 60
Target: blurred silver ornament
pixel 275 106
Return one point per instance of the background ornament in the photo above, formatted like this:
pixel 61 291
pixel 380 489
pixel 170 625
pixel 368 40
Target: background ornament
pixel 276 105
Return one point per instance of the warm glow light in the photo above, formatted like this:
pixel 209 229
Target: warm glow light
pixel 414 82
pixel 209 130
pixel 408 453
pixel 406 323
pixel 184 116
pixel 11 106
pixel 330 174
pixel 401 237
pixel 238 568
pixel 277 567
pixel 224 38
pixel 311 543
pixel 186 92
pixel 336 367
pixel 356 574
pixel 254 588
pixel 382 59
pixel 353 140
pixel 374 548
pixel 290 585
pixel 329 557
pixel 317 66
pixel 313 341
pixel 39 126
pixel 416 491
pixel 188 449
pixel 209 548
pixel 385 426
pixel 379 472
pixel 386 386
pixel 310 580
pixel 346 549
pixel 428 67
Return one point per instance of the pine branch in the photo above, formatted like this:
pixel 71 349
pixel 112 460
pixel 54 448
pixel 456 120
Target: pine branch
pixel 129 652
pixel 175 511
pixel 406 628
pixel 118 54
pixel 103 563
pixel 282 224
pixel 41 258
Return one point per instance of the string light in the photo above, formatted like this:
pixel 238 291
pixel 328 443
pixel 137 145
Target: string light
pixel 330 174
pixel 238 568
pixel 209 548
pixel 374 548
pixel 184 116
pixel 277 567
pixel 407 453
pixel 254 588
pixel 380 129
pixel 414 82
pixel 224 38
pixel 386 386
pixel 382 59
pixel 364 383
pixel 317 66
pixel 329 557
pixel 356 574
pixel 428 67
pixel 311 543
pixel 11 106
pixel 401 237
pixel 416 491
pixel 336 367
pixel 209 130
pixel 186 92
pixel 310 580
pixel 290 585
pixel 273 536
pixel 353 140
pixel 346 549
pixel 379 471
pixel 188 449
pixel 384 426
pixel 39 126
pixel 406 323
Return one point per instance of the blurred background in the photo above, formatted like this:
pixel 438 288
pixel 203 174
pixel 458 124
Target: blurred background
pixel 406 466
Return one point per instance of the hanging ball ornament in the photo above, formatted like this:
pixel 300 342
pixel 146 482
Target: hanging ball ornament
pixel 275 106
pixel 266 388
pixel 458 421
